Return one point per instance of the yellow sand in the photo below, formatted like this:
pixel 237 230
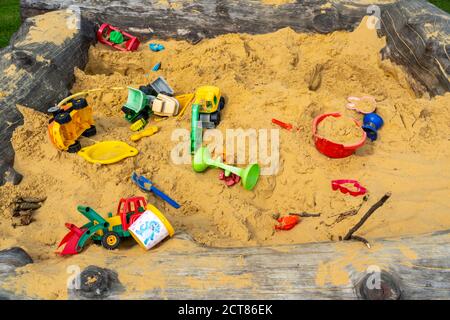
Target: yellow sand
pixel 262 77
pixel 340 130
pixel 54 27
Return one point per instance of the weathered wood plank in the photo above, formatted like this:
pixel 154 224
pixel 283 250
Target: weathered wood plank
pixel 419 265
pixel 35 75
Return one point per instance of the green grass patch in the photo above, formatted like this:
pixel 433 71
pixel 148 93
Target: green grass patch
pixel 443 4
pixel 9 20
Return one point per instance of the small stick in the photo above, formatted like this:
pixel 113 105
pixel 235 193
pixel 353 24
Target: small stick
pixel 367 215
pixel 358 238
pixel 305 214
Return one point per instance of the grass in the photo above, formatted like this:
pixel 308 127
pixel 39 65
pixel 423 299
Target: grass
pixel 443 4
pixel 10 19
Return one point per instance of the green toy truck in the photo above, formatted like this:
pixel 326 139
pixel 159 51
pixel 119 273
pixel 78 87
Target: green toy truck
pixel 138 108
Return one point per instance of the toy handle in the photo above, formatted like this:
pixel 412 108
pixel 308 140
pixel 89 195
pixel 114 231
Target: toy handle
pixel 165 197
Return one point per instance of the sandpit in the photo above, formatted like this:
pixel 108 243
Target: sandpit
pixel 262 77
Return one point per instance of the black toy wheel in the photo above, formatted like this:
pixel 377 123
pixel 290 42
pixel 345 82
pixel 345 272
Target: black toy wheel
pixel 74 148
pixel 215 118
pixel 221 103
pixel 92 131
pixel 127 111
pixel 63 118
pixel 110 240
pixel 79 103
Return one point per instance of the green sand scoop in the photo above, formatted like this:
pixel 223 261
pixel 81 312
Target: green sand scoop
pixel 249 175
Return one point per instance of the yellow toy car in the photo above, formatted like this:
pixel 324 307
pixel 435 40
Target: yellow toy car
pixel 69 122
pixel 210 103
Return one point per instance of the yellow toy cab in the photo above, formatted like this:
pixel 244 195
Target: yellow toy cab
pixel 69 122
pixel 210 103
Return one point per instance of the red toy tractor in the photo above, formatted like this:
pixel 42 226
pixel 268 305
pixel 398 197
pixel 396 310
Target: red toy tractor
pixel 116 38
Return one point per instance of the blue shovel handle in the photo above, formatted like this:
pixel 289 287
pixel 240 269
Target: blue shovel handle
pixel 165 197
pixel 141 181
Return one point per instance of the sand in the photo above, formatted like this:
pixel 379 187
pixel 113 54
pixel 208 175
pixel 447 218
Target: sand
pixel 262 77
pixel 54 27
pixel 341 130
pixel 365 105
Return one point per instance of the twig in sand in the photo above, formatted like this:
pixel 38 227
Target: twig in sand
pixel 315 77
pixel 358 238
pixel 304 214
pixel 366 216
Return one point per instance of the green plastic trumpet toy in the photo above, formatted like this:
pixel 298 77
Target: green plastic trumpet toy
pixel 249 175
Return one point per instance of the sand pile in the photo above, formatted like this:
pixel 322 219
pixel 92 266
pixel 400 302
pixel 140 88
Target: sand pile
pixel 340 130
pixel 262 77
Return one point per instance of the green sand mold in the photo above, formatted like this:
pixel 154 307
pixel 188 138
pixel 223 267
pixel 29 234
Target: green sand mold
pixel 249 175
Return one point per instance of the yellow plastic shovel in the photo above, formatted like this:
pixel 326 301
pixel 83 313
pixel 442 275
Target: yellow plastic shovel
pixel 144 133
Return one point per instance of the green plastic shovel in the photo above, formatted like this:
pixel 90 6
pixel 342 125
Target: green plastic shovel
pixel 249 175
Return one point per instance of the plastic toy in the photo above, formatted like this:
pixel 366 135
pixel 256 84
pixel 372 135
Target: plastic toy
pixel 184 100
pixel 138 125
pixel 202 160
pixel 107 152
pixel 210 103
pixel 231 180
pixel 151 228
pixel 165 106
pixel 156 67
pixel 146 185
pixel 139 101
pixel 340 184
pixel 109 231
pixel 282 124
pixel 332 149
pixel 116 38
pixel 353 104
pixel 158 86
pixel 137 106
pixel 69 122
pixel 372 122
pixel 156 47
pixel 144 133
pixel 287 222
pixel 206 109
pixel 196 129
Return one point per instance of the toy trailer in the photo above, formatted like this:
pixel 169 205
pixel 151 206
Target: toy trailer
pixel 116 38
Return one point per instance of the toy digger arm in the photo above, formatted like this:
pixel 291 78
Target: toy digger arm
pixel 93 216
pixel 196 132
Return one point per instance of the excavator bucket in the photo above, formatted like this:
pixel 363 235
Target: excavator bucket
pixel 71 240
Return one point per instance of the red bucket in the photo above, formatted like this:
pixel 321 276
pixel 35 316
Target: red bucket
pixel 332 149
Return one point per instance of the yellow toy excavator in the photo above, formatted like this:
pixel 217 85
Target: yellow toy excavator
pixel 210 102
pixel 206 107
pixel 70 121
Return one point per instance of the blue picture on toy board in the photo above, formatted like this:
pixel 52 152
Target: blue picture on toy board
pixel 148 231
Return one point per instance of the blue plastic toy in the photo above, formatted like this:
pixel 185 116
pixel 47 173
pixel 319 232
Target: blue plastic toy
pixel 156 66
pixel 147 185
pixel 156 47
pixel 372 122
